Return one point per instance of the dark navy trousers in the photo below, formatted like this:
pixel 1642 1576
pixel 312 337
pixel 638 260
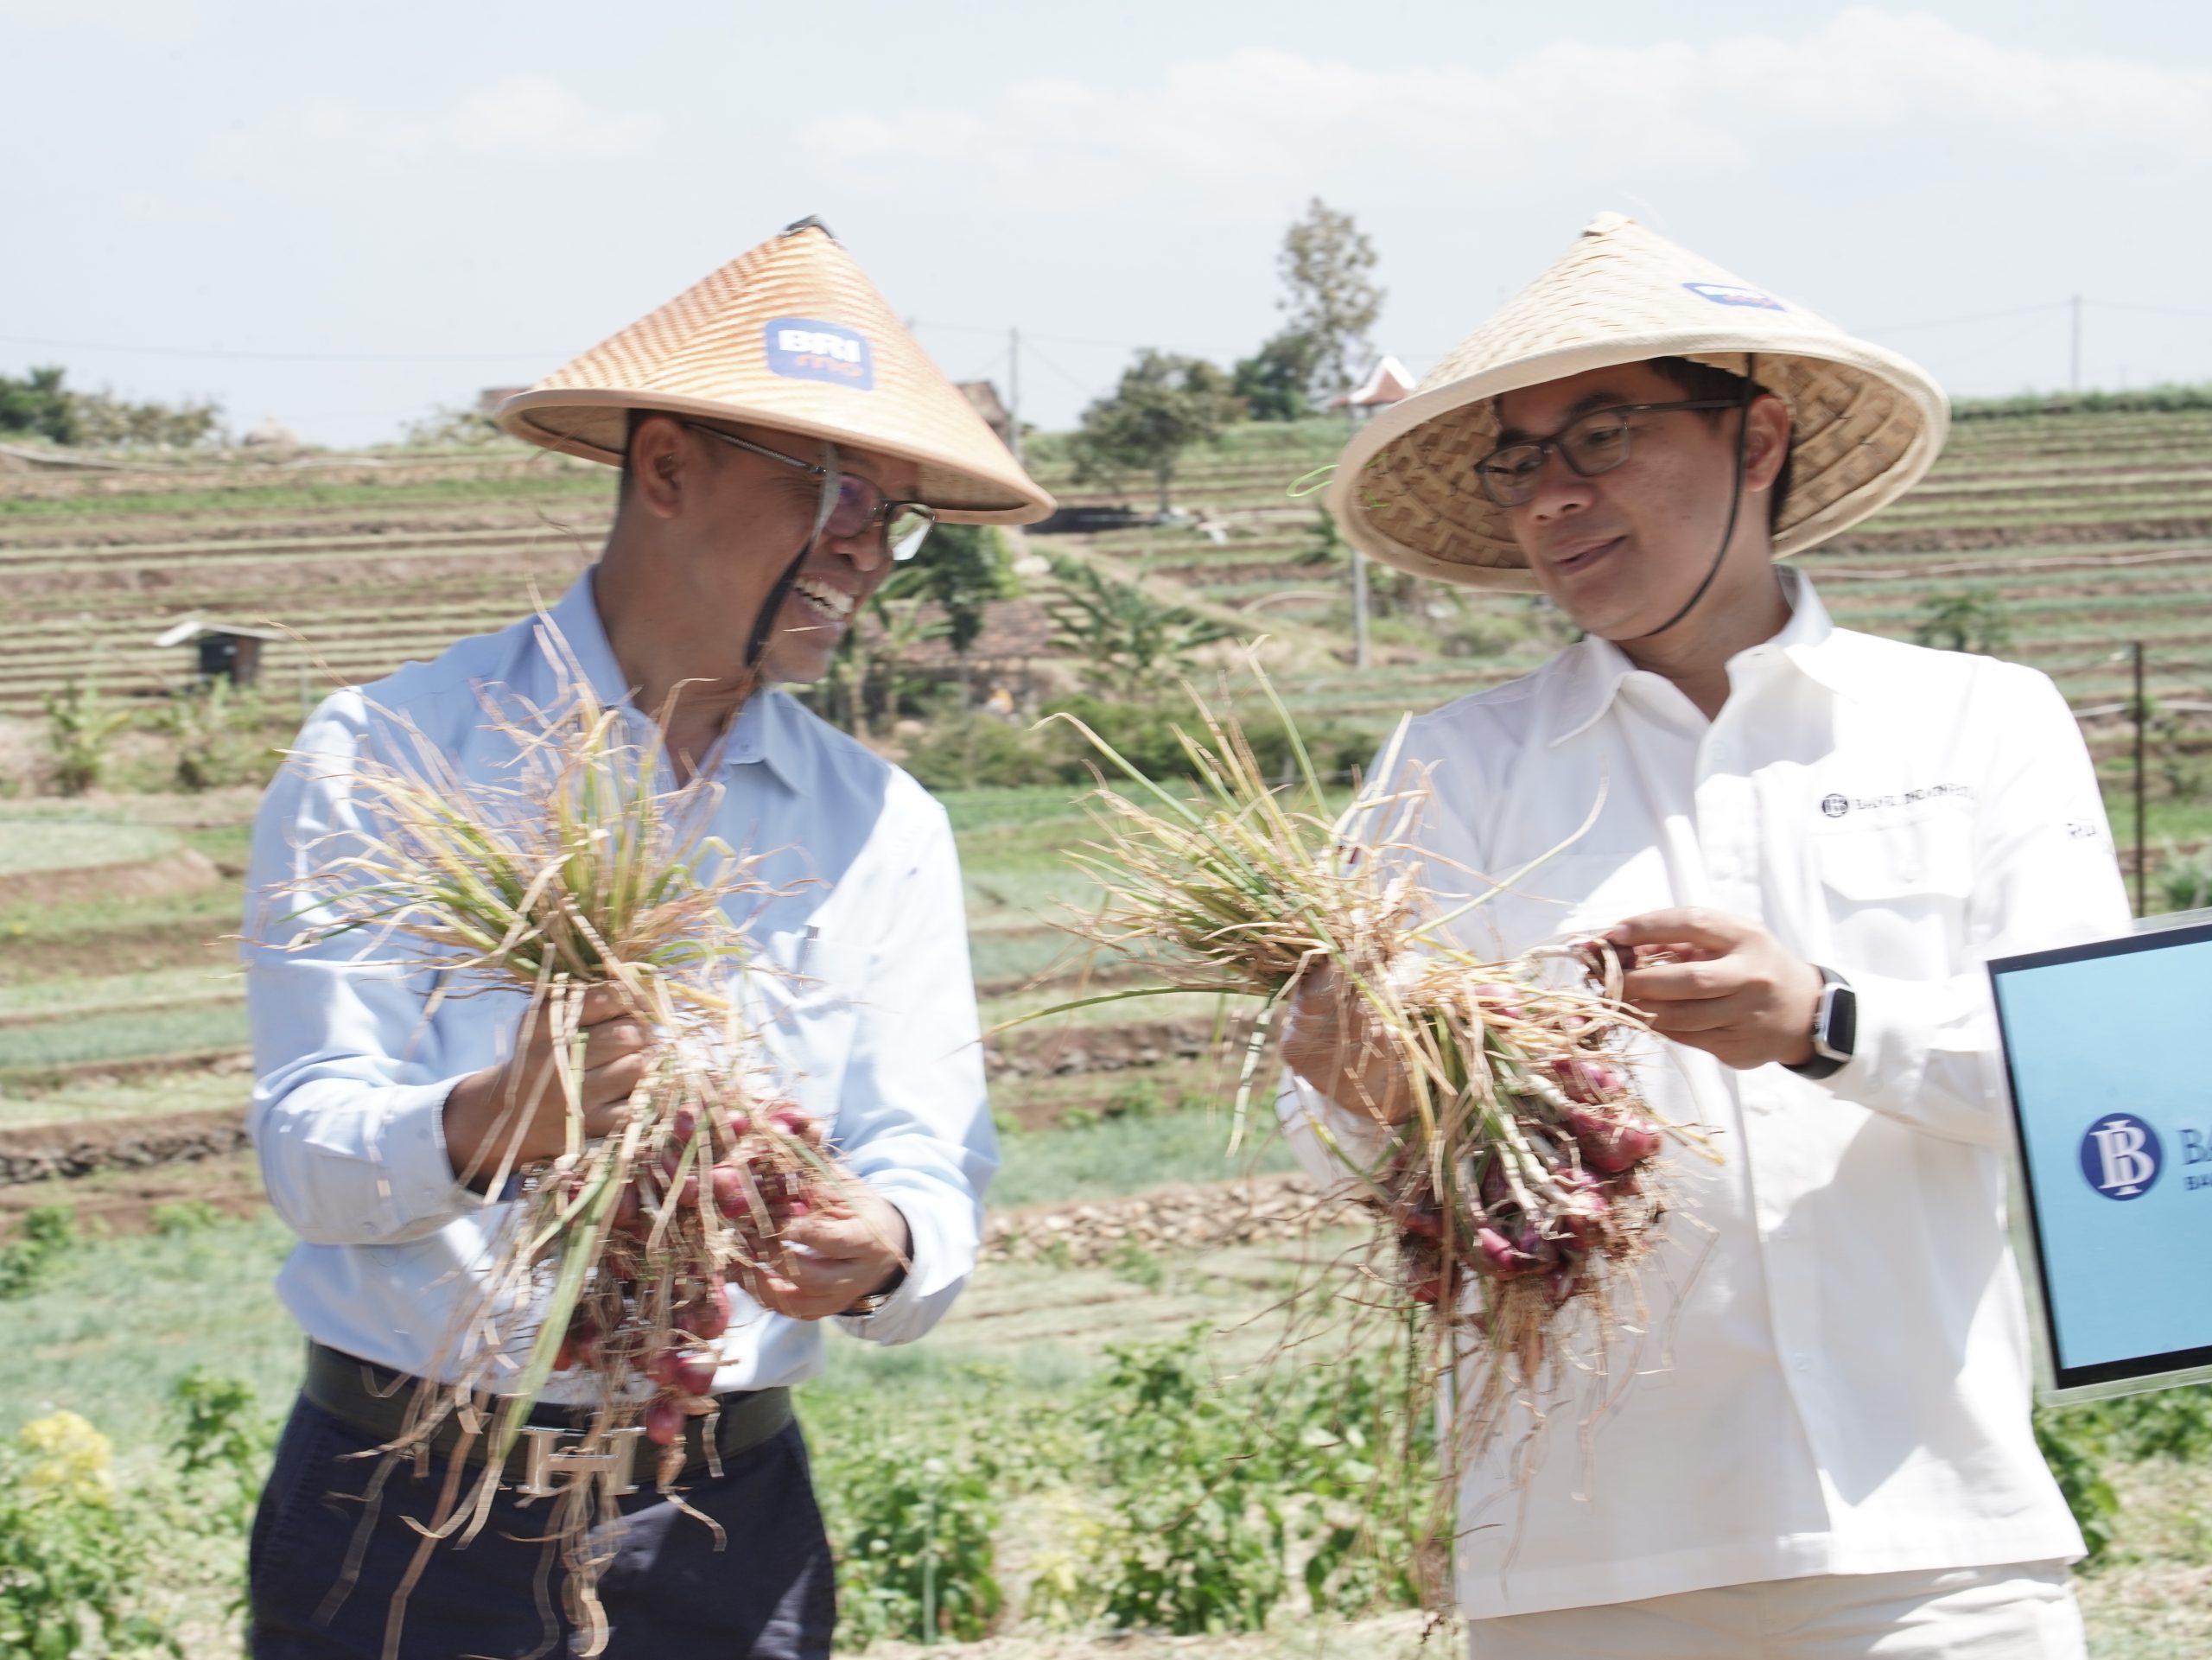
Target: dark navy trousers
pixel 769 1593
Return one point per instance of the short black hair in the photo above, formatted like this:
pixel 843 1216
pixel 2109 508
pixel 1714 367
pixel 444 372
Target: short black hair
pixel 1703 380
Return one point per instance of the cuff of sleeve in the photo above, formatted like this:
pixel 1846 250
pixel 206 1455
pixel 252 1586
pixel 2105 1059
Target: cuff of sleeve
pixel 1903 1025
pixel 420 1185
pixel 1336 1147
pixel 1889 1047
pixel 935 1267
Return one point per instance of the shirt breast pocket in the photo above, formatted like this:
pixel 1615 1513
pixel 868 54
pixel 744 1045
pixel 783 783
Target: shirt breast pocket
pixel 1896 897
pixel 808 993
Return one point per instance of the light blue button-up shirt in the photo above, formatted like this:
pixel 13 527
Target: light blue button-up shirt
pixel 873 1026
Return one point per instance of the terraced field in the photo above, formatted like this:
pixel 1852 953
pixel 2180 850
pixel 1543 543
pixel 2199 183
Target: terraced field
pixel 122 1025
pixel 2090 531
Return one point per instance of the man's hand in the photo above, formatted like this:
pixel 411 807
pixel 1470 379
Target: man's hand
pixel 1335 1043
pixel 1730 989
pixel 848 1249
pixel 520 1107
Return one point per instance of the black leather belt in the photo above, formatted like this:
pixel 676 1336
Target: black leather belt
pixel 375 1400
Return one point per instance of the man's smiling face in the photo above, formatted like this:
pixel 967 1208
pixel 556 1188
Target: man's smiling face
pixel 1619 553
pixel 752 515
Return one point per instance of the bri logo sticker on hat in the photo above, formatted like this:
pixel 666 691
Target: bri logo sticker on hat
pixel 1727 294
pixel 806 348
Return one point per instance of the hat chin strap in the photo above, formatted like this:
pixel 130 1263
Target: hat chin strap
pixel 764 624
pixel 1735 505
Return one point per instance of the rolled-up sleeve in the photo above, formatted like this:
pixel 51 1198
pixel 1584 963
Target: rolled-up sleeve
pixel 1926 1051
pixel 348 1108
pixel 913 1119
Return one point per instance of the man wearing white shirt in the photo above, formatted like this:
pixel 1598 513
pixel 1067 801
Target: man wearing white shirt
pixel 1815 838
pixel 782 441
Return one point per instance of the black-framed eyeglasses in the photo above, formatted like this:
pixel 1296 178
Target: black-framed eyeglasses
pixel 1590 444
pixel 902 526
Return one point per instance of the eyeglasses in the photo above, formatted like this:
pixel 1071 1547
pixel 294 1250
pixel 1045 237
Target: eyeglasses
pixel 1590 444
pixel 901 526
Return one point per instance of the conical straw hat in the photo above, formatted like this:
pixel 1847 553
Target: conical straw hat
pixel 791 335
pixel 1865 423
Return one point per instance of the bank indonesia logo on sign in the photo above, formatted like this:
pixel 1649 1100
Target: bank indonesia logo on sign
pixel 2120 1156
pixel 805 348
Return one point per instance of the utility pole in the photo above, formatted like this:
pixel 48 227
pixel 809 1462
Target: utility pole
pixel 2075 379
pixel 1013 392
pixel 1358 609
pixel 2142 865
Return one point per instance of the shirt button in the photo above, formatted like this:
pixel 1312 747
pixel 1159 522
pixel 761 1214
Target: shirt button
pixel 1802 1362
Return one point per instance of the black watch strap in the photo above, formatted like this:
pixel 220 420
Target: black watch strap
pixel 1835 1027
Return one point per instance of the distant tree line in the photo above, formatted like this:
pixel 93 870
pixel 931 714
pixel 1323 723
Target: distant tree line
pixel 40 405
pixel 2166 399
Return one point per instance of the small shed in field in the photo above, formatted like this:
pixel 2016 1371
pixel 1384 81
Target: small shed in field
pixel 227 651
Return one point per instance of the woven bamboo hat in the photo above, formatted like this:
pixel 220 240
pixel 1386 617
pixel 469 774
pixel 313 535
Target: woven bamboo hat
pixel 791 335
pixel 1865 423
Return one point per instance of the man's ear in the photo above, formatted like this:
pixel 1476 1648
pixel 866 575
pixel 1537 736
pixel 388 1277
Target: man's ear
pixel 1766 442
pixel 663 464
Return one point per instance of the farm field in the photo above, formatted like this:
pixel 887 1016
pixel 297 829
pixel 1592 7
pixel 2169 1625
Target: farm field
pixel 122 1023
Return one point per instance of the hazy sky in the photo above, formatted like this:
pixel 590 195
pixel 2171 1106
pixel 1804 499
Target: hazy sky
pixel 369 211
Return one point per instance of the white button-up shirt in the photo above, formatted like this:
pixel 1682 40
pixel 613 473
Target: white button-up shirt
pixel 873 1025
pixel 1835 1378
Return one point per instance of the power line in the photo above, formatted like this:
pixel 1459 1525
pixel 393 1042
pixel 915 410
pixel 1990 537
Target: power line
pixel 1087 388
pixel 276 357
pixel 1976 317
pixel 2171 311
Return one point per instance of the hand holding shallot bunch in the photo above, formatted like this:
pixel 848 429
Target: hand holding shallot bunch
pixel 1484 1111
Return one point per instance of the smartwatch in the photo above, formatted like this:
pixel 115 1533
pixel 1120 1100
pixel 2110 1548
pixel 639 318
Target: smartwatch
pixel 1835 1027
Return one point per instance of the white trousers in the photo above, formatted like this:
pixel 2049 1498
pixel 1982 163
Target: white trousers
pixel 2025 1611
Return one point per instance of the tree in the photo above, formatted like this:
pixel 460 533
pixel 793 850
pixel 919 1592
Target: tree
pixel 1131 645
pixel 41 403
pixel 1277 381
pixel 1327 265
pixel 1965 621
pixel 1163 404
pixel 105 420
pixel 959 570
pixel 37 403
pixel 81 729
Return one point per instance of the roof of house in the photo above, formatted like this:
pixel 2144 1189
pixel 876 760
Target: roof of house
pixel 197 628
pixel 1387 382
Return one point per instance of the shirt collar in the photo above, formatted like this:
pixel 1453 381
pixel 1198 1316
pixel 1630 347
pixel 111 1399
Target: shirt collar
pixel 1593 669
pixel 761 732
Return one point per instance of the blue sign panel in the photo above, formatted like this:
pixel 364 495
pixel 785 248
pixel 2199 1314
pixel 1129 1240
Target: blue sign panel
pixel 2114 1109
pixel 806 348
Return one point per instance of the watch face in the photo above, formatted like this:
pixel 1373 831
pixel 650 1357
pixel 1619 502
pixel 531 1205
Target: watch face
pixel 1838 1031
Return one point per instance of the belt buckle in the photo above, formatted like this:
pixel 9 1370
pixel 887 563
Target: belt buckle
pixel 543 1458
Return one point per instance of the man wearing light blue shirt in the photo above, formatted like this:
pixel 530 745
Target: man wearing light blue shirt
pixel 742 437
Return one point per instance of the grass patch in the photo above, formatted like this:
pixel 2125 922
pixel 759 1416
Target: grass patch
pixel 119 1320
pixel 245 501
pixel 1124 1155
pixel 123 1036
pixel 92 995
pixel 47 843
pixel 192 1090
